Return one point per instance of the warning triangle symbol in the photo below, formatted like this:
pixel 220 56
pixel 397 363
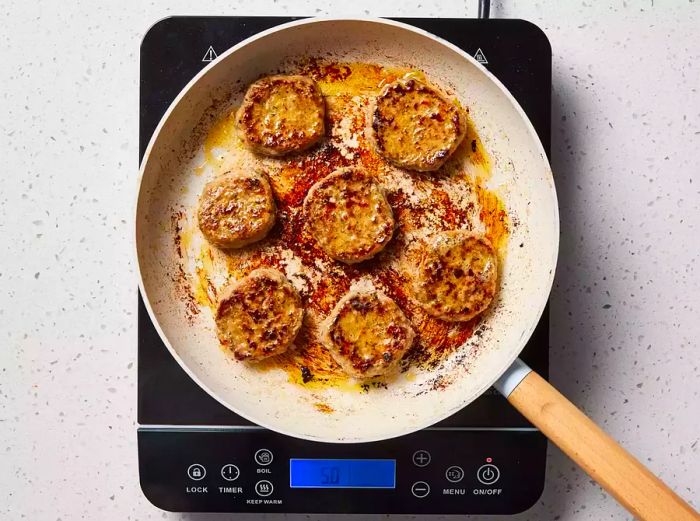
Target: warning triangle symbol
pixel 480 56
pixel 210 55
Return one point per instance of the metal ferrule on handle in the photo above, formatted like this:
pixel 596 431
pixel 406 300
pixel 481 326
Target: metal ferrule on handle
pixel 509 380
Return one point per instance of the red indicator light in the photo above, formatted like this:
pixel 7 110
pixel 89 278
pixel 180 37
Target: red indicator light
pixel 489 460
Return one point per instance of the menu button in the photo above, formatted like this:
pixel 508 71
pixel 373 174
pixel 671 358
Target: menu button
pixel 454 474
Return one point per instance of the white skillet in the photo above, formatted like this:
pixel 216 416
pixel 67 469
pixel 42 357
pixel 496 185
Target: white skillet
pixel 522 178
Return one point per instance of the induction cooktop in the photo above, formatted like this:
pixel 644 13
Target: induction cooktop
pixel 195 455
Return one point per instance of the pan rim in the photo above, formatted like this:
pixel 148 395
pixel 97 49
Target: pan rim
pixel 527 332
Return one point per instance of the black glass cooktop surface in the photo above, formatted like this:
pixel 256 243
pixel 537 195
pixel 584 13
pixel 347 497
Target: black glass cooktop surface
pixel 182 426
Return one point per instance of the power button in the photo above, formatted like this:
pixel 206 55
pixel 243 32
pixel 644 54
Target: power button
pixel 488 474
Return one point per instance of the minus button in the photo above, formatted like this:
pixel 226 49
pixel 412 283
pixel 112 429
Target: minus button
pixel 420 489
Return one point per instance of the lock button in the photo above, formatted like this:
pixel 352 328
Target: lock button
pixel 196 472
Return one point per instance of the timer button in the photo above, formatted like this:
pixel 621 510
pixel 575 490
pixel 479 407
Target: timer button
pixel 488 474
pixel 420 489
pixel 230 472
pixel 421 458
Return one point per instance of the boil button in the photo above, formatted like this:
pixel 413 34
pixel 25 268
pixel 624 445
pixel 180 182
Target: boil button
pixel 263 457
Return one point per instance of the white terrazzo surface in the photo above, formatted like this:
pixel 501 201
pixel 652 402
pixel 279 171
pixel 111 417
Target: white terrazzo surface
pixel 626 150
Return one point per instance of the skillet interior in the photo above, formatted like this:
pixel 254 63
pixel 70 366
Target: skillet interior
pixel 521 177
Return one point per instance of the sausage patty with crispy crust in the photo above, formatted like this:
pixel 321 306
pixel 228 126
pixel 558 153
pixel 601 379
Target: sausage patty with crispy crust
pixel 456 277
pixel 416 126
pixel 367 333
pixel 236 209
pixel 281 115
pixel 348 215
pixel 259 316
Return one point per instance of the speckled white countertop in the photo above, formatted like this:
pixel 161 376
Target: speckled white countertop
pixel 626 150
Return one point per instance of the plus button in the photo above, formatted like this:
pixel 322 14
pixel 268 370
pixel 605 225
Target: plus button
pixel 421 458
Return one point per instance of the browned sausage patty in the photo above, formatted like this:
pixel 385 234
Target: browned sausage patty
pixel 457 275
pixel 348 215
pixel 259 316
pixel 415 126
pixel 282 114
pixel 367 333
pixel 236 209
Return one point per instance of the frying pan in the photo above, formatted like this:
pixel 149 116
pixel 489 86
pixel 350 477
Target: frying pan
pixel 523 180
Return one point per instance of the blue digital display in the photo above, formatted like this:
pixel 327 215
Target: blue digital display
pixel 342 473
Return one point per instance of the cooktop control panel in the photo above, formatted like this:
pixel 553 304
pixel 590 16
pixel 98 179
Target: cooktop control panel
pixel 255 470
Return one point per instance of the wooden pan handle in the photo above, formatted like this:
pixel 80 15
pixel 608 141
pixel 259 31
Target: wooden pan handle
pixel 615 469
